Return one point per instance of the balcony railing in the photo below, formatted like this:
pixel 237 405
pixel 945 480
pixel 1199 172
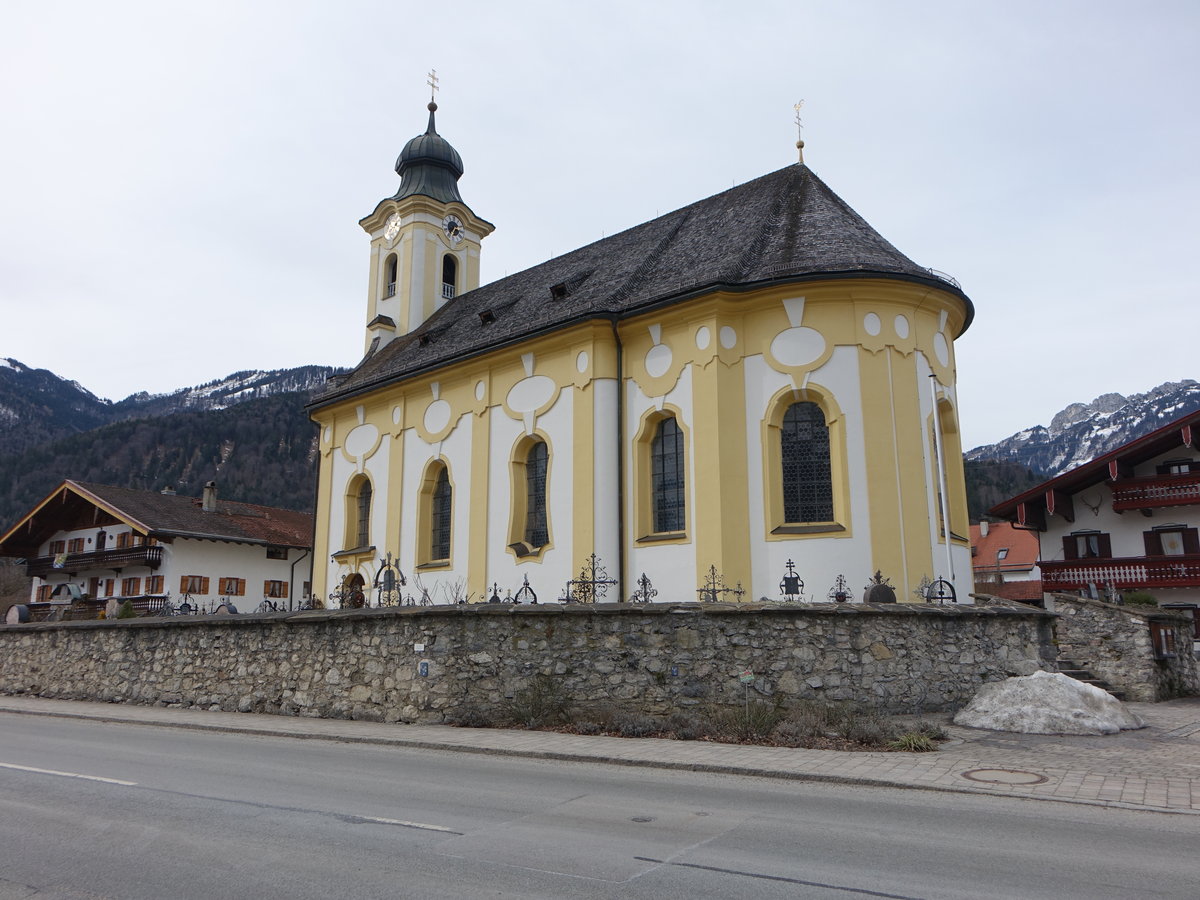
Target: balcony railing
pixel 1156 490
pixel 447 291
pixel 149 556
pixel 1122 573
pixel 391 289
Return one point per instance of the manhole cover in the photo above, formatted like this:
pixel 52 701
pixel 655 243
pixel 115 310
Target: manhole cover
pixel 1005 776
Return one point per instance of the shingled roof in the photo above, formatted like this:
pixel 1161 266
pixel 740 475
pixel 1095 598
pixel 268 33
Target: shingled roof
pixel 160 515
pixel 787 226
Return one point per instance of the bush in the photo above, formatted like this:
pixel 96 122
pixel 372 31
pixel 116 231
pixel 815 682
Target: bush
pixel 472 716
pixel 126 611
pixel 913 742
pixel 752 722
pixel 640 726
pixel 931 730
pixel 542 703
pixel 1139 598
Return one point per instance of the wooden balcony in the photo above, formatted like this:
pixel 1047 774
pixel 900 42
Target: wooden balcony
pixel 1122 573
pixel 1156 490
pixel 149 556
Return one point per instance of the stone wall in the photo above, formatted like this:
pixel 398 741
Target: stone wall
pixel 1113 643
pixel 428 664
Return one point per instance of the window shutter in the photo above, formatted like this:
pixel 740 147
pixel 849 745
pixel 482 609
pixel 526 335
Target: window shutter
pixel 1191 540
pixel 204 585
pixel 267 588
pixel 1153 541
pixel 1070 547
pixel 283 589
pixel 183 584
pixel 1105 543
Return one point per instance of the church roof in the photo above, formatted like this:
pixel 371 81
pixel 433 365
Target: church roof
pixel 787 226
pixel 429 165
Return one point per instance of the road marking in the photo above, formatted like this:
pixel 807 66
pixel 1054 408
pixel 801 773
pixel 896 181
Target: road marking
pixel 422 825
pixel 67 774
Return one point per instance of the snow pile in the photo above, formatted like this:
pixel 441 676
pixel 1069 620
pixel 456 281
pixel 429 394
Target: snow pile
pixel 1046 703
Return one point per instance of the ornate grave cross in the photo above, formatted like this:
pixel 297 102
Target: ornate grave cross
pixel 791 587
pixel 388 581
pixel 714 588
pixel 646 591
pixel 591 585
pixel 525 593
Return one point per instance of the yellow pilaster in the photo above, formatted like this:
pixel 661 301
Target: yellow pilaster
pixel 477 534
pixel 721 519
pixel 583 513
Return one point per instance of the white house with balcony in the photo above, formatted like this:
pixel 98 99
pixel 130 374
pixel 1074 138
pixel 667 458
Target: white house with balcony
pixel 88 546
pixel 1126 521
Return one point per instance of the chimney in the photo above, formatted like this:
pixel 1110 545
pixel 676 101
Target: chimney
pixel 983 527
pixel 209 503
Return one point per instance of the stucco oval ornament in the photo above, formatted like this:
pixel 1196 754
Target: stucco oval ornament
pixel 361 440
pixel 328 434
pixel 728 337
pixel 798 346
pixel 871 324
pixel 901 325
pixel 941 349
pixel 703 337
pixel 480 390
pixel 397 415
pixel 658 360
pixel 531 394
pixel 437 416
pixel 581 362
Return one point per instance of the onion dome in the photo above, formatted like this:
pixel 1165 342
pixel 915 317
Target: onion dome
pixel 429 166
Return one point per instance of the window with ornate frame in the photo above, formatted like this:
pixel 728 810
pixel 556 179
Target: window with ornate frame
pixel 660 470
pixel 804 480
pixel 529 527
pixel 359 495
pixel 435 529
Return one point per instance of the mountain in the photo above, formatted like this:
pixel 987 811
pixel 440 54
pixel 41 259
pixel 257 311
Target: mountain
pixel 1083 431
pixel 248 432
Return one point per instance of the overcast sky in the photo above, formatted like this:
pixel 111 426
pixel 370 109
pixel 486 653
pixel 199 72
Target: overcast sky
pixel 182 182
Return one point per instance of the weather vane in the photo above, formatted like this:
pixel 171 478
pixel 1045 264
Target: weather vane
pixel 799 131
pixel 433 86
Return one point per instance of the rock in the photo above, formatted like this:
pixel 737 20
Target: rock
pixel 1046 703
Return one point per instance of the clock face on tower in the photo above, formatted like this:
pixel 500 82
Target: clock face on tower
pixel 392 228
pixel 453 228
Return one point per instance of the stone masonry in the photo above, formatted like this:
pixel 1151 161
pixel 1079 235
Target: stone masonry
pixel 429 664
pixel 1113 643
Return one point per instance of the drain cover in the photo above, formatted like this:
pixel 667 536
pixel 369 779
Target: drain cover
pixel 1005 776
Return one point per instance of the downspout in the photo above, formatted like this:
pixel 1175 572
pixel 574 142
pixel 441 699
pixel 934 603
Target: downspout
pixel 292 580
pixel 620 463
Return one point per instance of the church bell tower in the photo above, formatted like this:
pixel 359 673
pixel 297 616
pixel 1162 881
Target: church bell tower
pixel 424 240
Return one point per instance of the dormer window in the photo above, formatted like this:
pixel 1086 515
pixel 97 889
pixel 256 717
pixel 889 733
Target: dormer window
pixel 449 277
pixel 391 269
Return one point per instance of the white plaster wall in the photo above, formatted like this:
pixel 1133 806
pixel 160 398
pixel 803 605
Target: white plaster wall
pixel 548 575
pixel 418 454
pixel 343 470
pixel 671 567
pixel 606 504
pixel 819 560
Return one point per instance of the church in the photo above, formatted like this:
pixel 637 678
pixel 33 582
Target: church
pixel 754 386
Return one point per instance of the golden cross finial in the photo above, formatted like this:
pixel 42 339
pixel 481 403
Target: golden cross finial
pixel 433 84
pixel 799 131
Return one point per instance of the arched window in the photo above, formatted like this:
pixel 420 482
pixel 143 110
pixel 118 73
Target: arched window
pixel 362 508
pixel 439 516
pixel 391 270
pixel 804 452
pixel 667 477
pixel 536 462
pixel 449 276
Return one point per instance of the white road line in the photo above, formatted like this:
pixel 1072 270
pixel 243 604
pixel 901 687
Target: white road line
pixel 421 825
pixel 67 774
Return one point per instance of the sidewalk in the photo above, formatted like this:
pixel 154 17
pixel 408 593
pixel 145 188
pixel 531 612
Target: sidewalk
pixel 1156 768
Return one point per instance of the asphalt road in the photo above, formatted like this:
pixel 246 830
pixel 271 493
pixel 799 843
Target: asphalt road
pixel 120 811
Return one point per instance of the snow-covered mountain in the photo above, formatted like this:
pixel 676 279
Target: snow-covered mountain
pixel 37 406
pixel 1083 431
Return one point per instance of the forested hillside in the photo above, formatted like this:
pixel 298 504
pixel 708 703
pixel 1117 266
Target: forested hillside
pixel 259 451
